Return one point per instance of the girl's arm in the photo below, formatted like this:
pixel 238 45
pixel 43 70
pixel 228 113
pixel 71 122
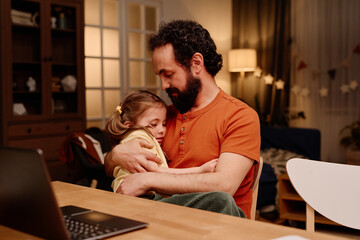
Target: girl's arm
pixel 205 168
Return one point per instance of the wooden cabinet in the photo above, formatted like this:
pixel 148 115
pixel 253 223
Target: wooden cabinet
pixel 42 74
pixel 292 206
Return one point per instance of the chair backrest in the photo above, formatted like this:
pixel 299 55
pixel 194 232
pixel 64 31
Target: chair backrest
pixel 255 188
pixel 94 172
pixel 329 188
pixel 100 136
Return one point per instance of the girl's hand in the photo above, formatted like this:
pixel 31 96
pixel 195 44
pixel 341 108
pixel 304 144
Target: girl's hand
pixel 133 185
pixel 209 166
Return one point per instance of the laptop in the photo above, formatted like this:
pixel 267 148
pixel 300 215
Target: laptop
pixel 28 203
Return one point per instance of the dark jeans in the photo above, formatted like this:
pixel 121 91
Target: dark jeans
pixel 219 202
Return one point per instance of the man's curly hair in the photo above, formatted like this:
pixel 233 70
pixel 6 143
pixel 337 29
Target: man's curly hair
pixel 188 37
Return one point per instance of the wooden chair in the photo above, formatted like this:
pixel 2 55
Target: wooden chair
pixel 332 189
pixel 255 188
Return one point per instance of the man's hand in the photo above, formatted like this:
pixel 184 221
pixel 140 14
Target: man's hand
pixel 132 156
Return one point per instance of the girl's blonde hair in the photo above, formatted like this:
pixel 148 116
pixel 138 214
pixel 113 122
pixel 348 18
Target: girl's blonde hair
pixel 130 109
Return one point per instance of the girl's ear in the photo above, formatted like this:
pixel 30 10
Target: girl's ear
pixel 128 124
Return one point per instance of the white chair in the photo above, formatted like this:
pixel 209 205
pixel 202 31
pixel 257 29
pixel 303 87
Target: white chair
pixel 255 188
pixel 332 189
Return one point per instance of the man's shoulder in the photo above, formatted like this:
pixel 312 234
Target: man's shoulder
pixel 235 103
pixel 234 108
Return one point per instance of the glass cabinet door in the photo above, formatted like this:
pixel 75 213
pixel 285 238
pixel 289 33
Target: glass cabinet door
pixel 64 67
pixel 46 58
pixel 27 67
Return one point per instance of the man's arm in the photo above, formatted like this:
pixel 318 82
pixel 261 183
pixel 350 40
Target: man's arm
pixel 132 156
pixel 229 174
pixel 205 168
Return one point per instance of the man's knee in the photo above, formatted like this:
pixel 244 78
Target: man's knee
pixel 222 197
pixel 216 201
pixel 223 202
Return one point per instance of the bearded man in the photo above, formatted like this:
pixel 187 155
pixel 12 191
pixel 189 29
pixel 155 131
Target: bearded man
pixel 203 123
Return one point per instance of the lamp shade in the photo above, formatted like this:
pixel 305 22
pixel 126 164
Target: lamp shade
pixel 242 60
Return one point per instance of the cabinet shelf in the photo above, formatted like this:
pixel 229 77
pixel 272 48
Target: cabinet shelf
pixel 292 206
pixel 17 62
pixel 20 26
pixel 63 30
pixel 300 216
pixel 63 64
pixel 23 92
pixel 63 93
pixel 292 196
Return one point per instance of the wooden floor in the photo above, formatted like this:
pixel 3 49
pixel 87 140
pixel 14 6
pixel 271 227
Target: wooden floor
pixel 339 230
pixel 329 229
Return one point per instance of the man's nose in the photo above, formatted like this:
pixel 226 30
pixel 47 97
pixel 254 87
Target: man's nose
pixel 164 84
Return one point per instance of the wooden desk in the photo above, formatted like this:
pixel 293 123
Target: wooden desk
pixel 167 221
pixel 12 234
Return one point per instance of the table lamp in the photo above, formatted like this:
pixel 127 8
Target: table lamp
pixel 242 60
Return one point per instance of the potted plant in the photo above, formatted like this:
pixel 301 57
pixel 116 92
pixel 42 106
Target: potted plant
pixel 351 139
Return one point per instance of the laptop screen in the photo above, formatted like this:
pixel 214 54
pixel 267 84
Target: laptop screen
pixel 27 202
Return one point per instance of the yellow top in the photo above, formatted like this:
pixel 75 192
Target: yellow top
pixel 120 172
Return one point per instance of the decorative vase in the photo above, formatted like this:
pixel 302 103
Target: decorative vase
pixel 69 83
pixel 353 156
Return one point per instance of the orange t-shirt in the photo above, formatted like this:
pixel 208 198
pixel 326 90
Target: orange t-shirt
pixel 224 125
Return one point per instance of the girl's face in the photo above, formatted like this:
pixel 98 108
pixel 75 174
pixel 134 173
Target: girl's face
pixel 154 119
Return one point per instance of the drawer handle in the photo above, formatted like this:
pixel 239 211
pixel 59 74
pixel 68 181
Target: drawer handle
pixel 29 130
pixel 67 127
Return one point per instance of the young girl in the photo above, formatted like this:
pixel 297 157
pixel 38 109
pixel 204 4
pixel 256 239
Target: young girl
pixel 143 115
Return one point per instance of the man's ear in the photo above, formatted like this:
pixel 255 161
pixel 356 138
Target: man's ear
pixel 197 62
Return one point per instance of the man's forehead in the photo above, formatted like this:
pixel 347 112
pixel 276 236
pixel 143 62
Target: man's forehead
pixel 163 58
pixel 164 52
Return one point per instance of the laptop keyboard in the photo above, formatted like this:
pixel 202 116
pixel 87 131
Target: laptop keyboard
pixel 86 224
pixel 82 230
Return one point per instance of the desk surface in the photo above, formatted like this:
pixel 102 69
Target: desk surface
pixel 167 221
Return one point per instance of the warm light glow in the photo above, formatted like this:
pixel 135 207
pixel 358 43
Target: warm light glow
pixel 92 14
pixel 110 43
pixel 242 60
pixel 112 99
pixel 92 72
pixel 92 41
pixel 135 73
pixel 93 103
pixel 110 13
pixel 111 72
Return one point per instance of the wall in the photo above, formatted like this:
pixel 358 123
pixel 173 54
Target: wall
pixel 216 17
pixel 324 36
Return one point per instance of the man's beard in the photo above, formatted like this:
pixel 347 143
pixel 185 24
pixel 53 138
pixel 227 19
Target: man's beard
pixel 185 100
